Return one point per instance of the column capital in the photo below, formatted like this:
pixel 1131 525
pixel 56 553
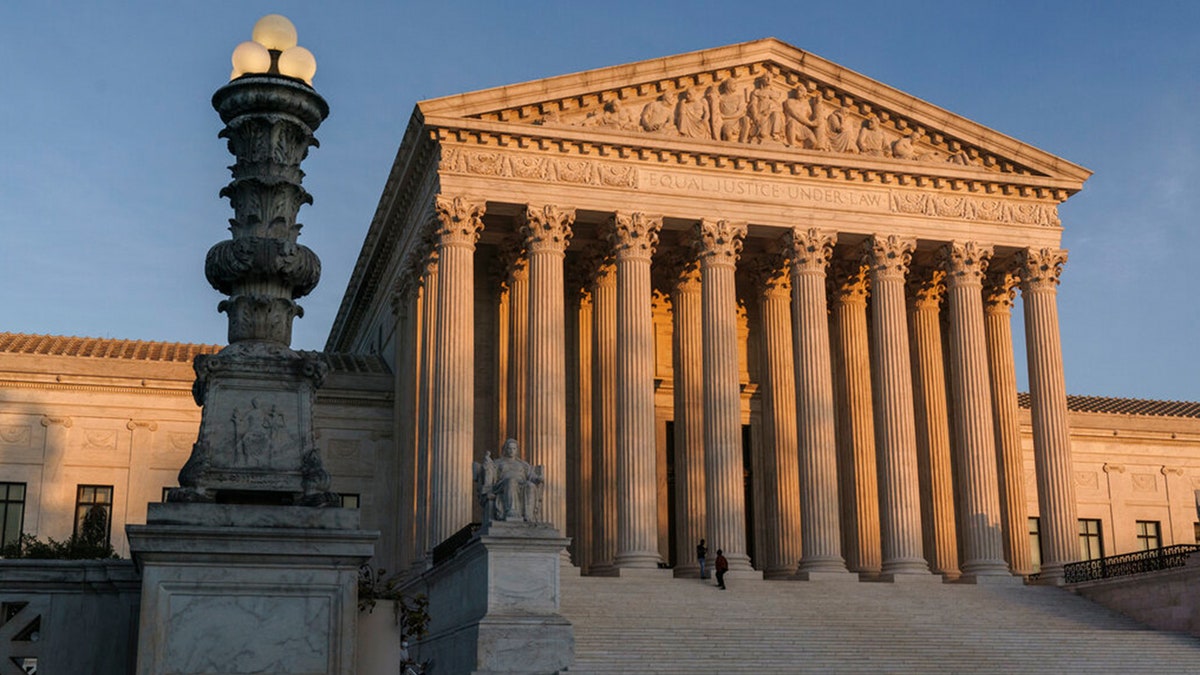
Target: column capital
pixel 999 290
pixel 513 260
pixel 458 221
pixel 926 287
pixel 679 270
pixel 547 227
pixel 888 256
pixel 1040 268
pixel 719 242
pixel 810 249
pixel 634 235
pixel 849 280
pixel 769 275
pixel 964 262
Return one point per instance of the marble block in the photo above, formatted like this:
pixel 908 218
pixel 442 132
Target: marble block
pixel 246 589
pixel 494 607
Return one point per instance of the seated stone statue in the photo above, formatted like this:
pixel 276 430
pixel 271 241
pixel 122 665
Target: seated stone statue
pixel 510 488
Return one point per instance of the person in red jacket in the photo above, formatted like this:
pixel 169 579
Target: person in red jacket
pixel 722 567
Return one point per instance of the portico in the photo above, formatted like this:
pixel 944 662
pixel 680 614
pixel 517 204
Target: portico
pixel 744 295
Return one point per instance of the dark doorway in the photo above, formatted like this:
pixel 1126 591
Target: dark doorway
pixel 748 482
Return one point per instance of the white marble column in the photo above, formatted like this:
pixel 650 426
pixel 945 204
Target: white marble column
pixel 604 418
pixel 405 409
pixel 428 300
pixel 688 354
pixel 983 543
pixel 999 288
pixel 719 245
pixel 810 251
pixel 634 237
pixel 895 432
pixel 940 535
pixel 583 535
pixel 859 480
pixel 517 388
pixel 452 385
pixel 781 484
pixel 547 230
pixel 1039 270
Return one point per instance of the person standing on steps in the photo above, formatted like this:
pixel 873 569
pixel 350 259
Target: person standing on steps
pixel 722 568
pixel 701 554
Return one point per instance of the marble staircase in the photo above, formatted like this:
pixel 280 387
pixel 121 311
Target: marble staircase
pixel 666 625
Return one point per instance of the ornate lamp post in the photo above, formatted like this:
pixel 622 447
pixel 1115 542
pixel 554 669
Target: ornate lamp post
pixel 256 440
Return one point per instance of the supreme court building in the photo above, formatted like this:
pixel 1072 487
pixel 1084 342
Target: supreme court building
pixel 742 294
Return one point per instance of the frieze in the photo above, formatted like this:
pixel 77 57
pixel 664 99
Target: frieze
pixel 17 434
pixel 601 173
pixel 760 104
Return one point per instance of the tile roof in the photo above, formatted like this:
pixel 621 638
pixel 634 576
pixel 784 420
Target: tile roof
pixel 1125 406
pixel 136 350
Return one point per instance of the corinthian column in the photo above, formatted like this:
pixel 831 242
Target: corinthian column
pixel 983 545
pixel 604 419
pixel 518 343
pixel 428 300
pixel 820 529
pixel 719 245
pixel 859 481
pixel 547 230
pixel 900 506
pixel 452 386
pixel 690 514
pixel 781 484
pixel 925 289
pixel 1040 270
pixel 634 237
pixel 998 290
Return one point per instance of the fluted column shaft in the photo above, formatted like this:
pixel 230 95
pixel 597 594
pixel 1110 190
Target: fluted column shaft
pixel 859 480
pixel 820 527
pixel 547 231
pixel 983 545
pixel 634 237
pixel 690 514
pixel 406 404
pixel 900 506
pixel 429 288
pixel 584 537
pixel 1040 270
pixel 452 385
pixel 781 485
pixel 936 471
pixel 604 418
pixel 518 344
pixel 999 289
pixel 720 243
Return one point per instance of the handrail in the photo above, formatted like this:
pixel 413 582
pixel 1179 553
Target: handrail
pixel 1126 564
pixel 446 550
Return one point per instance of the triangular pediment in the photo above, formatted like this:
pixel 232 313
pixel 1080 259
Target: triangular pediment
pixel 762 95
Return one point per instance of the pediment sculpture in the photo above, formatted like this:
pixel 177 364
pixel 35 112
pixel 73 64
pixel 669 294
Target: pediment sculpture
pixel 509 488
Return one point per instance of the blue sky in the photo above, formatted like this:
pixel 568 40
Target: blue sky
pixel 110 164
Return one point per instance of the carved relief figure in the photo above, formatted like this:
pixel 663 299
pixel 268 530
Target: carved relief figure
pixel 691 117
pixel 765 111
pixel 905 147
pixel 871 140
pixel 250 433
pixel 509 487
pixel 729 112
pixel 613 115
pixel 819 122
pixel 796 120
pixel 843 131
pixel 659 115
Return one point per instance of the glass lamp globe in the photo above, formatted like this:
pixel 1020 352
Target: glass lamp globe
pixel 250 57
pixel 275 31
pixel 299 63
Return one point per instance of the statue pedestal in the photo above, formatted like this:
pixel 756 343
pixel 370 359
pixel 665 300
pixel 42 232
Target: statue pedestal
pixel 241 589
pixel 494 606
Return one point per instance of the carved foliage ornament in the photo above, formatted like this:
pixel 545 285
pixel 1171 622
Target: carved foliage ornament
pixel 547 228
pixel 926 287
pixel 634 235
pixel 769 275
pixel 888 256
pixel 964 262
pixel 811 250
pixel 459 221
pixel 719 242
pixel 999 289
pixel 849 281
pixel 1040 268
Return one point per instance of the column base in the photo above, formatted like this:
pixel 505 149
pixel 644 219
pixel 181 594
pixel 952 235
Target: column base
pixel 237 588
pixel 837 577
pixel 644 573
pixel 988 580
pixel 908 577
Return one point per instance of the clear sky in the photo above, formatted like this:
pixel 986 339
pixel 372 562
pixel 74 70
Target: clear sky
pixel 110 164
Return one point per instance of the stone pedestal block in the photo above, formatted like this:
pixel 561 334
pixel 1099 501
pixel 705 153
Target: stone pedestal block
pixel 248 589
pixel 494 606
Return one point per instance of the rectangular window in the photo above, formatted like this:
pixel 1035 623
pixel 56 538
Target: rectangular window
pixel 1149 535
pixel 1197 528
pixel 349 500
pixel 12 512
pixel 93 510
pixel 1091 544
pixel 1035 543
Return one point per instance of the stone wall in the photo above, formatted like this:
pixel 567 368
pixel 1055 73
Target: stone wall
pixel 1164 600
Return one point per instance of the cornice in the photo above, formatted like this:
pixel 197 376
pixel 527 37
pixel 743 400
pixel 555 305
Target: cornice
pixel 184 390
